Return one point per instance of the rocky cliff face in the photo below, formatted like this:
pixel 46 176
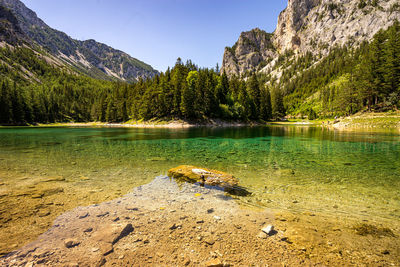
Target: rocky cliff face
pixel 254 48
pixel 90 57
pixel 10 30
pixel 313 26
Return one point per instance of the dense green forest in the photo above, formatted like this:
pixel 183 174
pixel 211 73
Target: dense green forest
pixel 348 80
pixel 344 82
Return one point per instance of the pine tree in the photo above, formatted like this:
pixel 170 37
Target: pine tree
pixel 392 59
pixel 265 105
pixel 5 103
pixel 253 88
pixel 188 95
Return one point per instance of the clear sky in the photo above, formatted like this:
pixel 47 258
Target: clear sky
pixel 159 31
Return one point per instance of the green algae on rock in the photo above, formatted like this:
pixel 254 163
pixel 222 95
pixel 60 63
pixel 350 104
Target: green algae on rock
pixel 208 177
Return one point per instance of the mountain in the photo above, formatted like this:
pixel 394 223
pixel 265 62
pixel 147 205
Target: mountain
pixel 309 26
pixel 89 57
pixel 10 31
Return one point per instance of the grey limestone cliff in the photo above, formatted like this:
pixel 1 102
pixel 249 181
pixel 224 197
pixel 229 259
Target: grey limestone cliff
pixel 311 26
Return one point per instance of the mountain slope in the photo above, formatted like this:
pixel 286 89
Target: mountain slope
pixel 312 26
pixel 90 57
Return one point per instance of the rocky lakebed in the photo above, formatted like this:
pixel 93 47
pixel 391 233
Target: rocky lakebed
pixel 175 223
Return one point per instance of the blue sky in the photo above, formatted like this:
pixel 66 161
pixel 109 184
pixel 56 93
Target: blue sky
pixel 159 31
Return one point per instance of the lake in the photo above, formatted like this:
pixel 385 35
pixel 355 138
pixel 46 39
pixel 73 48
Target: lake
pixel 46 171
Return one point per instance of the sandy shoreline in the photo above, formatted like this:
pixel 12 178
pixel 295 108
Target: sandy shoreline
pixel 170 124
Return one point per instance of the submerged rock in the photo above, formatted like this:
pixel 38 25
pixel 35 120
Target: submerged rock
pixel 214 263
pixel 268 229
pixel 202 175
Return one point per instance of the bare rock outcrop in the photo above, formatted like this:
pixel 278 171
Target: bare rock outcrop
pixel 313 26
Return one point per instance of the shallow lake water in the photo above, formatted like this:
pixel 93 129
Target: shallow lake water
pixel 295 168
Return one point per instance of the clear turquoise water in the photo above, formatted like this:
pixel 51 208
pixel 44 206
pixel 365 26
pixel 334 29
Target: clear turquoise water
pixel 297 168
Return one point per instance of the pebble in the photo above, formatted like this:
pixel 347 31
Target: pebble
pixel 70 243
pixel 268 230
pixel 262 235
pixel 102 214
pixel 217 218
pixel 237 226
pixel 186 260
pixel 132 208
pixel 83 215
pixel 209 241
pixel 37 195
pixel 87 230
pixel 214 263
pixel 175 226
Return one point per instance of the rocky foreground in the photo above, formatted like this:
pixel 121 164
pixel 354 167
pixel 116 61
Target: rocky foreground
pixel 161 223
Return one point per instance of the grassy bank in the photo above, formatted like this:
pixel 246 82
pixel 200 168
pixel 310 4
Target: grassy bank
pixel 370 121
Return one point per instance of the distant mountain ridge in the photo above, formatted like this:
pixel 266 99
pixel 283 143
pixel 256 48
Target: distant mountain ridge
pixel 90 57
pixel 310 26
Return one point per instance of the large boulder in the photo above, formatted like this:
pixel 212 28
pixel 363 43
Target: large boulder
pixel 205 176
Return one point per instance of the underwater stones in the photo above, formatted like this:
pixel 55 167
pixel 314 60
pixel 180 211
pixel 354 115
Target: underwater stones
pixel 53 179
pixel 202 175
pixel 175 226
pixel 262 235
pixel 217 218
pixel 52 191
pixel 83 215
pixel 44 213
pixel 37 195
pixel 368 229
pixel 113 233
pixel 268 229
pixel 214 263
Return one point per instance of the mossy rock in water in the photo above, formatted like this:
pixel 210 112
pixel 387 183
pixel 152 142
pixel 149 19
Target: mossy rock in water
pixel 202 175
pixel 368 229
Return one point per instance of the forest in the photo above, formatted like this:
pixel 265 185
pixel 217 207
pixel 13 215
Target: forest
pixel 346 81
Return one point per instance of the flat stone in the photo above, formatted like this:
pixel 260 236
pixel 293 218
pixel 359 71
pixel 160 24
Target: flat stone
pixel 209 241
pixel 175 226
pixel 37 195
pixel 106 248
pixel 102 214
pixel 262 235
pixel 132 208
pixel 53 179
pixel 83 215
pixel 214 263
pixel 53 191
pixel 209 177
pixel 268 229
pixel 113 233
